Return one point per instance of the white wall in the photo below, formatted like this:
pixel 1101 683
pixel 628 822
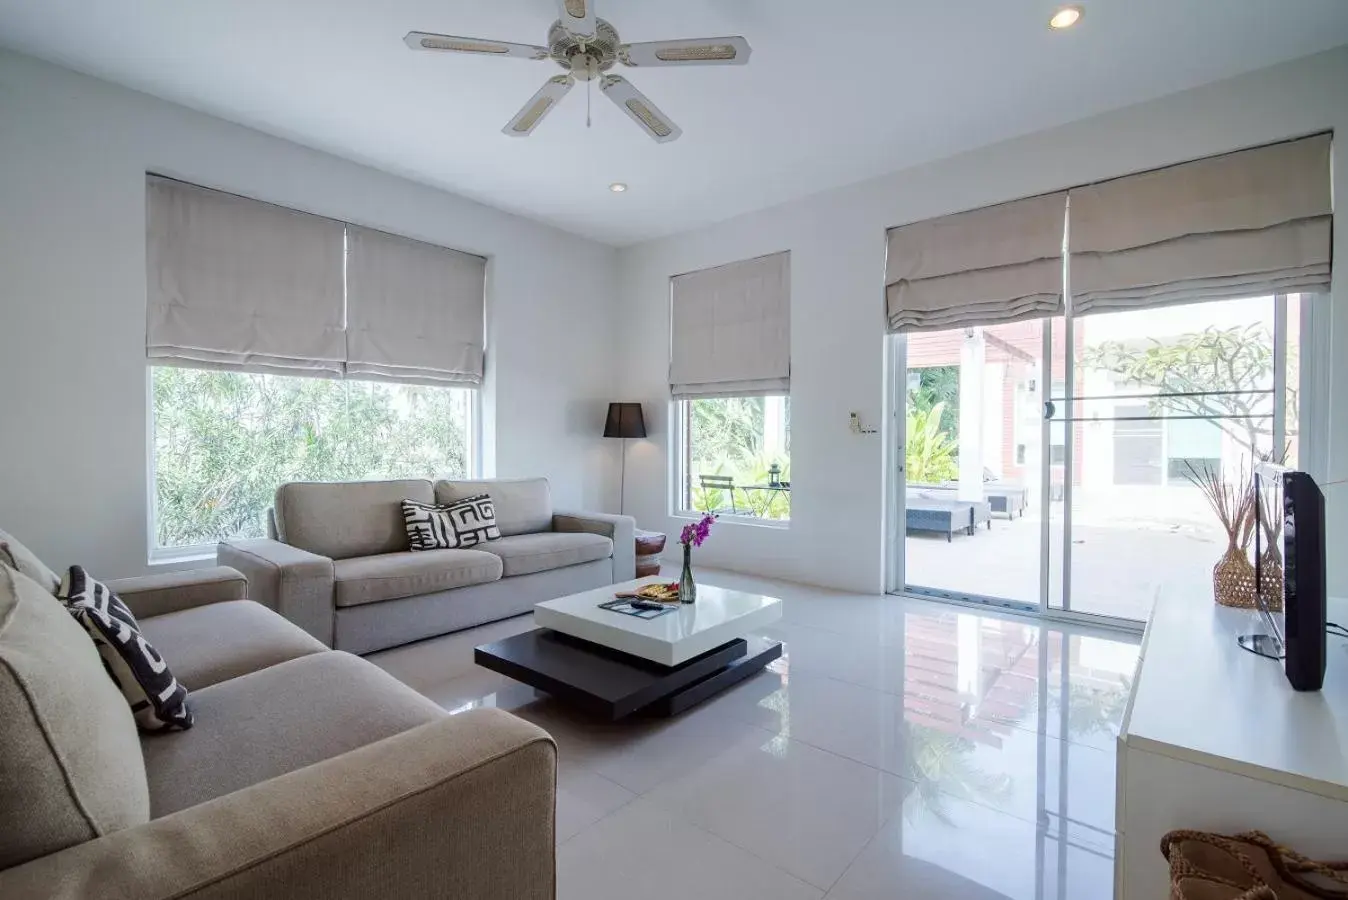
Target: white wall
pixel 73 157
pixel 837 244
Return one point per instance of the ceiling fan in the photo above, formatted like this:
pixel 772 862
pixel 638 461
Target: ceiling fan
pixel 587 47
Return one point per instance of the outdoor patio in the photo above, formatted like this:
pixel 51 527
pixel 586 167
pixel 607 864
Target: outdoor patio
pixel 1131 547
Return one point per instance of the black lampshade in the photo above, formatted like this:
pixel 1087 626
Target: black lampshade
pixel 625 421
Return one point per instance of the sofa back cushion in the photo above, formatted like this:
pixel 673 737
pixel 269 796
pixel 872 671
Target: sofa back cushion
pixel 17 556
pixel 340 520
pixel 523 505
pixel 71 767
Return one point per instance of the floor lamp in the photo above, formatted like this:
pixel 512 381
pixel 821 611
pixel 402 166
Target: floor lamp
pixel 624 421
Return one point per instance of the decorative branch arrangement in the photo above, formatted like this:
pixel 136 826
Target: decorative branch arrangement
pixel 1233 577
pixel 1234 504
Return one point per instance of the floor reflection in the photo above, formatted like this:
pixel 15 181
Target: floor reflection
pixel 898 748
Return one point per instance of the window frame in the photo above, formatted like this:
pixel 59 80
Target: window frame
pixel 680 459
pixel 190 553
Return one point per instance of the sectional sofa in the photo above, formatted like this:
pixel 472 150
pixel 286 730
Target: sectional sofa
pixel 309 773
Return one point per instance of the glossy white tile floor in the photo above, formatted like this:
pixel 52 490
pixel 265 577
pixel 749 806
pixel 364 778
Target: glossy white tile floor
pixel 899 749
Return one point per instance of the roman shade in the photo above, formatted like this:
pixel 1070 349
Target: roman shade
pixel 415 312
pixel 731 330
pixel 982 267
pixel 241 284
pixel 1246 224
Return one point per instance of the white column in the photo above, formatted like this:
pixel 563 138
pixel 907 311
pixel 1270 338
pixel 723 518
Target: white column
pixel 972 356
pixel 774 427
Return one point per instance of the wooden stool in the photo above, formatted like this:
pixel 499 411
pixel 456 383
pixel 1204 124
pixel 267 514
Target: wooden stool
pixel 650 544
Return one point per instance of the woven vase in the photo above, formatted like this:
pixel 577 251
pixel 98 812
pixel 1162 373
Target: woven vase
pixel 1270 567
pixel 1233 579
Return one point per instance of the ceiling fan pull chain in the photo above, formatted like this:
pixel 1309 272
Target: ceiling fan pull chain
pixel 589 90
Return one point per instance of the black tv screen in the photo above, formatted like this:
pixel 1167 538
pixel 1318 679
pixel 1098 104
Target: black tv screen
pixel 1290 568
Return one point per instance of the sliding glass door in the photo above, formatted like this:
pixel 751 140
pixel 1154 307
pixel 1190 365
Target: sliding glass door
pixel 1159 398
pixel 1049 464
pixel 974 461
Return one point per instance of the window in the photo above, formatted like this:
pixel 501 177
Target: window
pixel 736 456
pixel 224 441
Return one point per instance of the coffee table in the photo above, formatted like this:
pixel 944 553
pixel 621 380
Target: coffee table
pixel 613 665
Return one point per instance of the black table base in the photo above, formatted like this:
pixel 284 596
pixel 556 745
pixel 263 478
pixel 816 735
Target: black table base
pixel 612 684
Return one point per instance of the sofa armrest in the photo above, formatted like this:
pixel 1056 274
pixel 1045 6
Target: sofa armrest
pixel 294 582
pixel 166 592
pixel 621 529
pixel 462 807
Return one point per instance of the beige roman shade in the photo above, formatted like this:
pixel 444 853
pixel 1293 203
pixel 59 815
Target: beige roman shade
pixel 1245 224
pixel 241 284
pixel 731 330
pixel 415 312
pixel 983 267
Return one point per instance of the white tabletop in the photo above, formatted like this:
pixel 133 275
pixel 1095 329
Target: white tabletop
pixel 1202 698
pixel 718 617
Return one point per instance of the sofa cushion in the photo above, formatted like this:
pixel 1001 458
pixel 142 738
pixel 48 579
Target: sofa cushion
pixel 17 556
pixel 156 698
pixel 523 554
pixel 277 720
pixel 451 526
pixel 391 576
pixel 340 520
pixel 70 759
pixel 522 505
pixel 213 643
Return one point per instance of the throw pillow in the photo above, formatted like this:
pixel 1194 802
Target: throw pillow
pixel 158 701
pixel 463 523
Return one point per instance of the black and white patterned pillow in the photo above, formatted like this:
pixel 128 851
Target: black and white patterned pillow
pixel 158 701
pixel 463 523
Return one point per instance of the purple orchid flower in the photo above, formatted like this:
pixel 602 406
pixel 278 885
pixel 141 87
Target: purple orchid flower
pixel 695 533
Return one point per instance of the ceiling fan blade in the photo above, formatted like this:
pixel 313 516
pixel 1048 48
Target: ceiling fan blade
pixel 539 105
pixel 577 16
pixel 639 109
pixel 423 40
pixel 717 51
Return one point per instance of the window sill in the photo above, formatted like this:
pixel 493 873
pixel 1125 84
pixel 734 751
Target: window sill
pixel 730 519
pixel 176 556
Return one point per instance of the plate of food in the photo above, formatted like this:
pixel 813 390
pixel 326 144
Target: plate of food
pixel 660 592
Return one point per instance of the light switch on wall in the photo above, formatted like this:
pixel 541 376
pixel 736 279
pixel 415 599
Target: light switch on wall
pixel 854 423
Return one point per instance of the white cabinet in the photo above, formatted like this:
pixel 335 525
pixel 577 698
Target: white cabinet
pixel 1216 739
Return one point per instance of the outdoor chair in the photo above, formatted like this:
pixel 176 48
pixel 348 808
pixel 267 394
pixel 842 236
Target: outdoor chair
pixel 720 483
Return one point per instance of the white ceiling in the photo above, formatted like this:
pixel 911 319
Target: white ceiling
pixel 836 91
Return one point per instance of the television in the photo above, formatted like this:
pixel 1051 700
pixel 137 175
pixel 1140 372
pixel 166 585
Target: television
pixel 1289 564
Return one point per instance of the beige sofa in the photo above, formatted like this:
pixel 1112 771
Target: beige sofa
pixel 338 566
pixel 309 773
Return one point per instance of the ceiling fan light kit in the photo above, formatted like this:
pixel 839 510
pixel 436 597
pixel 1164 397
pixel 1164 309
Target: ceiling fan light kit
pixel 587 47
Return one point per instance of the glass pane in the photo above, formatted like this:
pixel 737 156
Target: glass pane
pixel 973 458
pixel 1165 395
pixel 224 441
pixel 406 431
pixel 737 456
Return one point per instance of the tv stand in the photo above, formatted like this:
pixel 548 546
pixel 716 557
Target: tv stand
pixel 1215 738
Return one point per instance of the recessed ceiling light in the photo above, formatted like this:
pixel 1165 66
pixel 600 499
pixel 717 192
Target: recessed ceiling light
pixel 617 187
pixel 1065 17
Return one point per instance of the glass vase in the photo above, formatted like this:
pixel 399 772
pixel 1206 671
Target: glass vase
pixel 687 589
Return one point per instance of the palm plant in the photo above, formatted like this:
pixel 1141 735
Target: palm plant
pixel 930 455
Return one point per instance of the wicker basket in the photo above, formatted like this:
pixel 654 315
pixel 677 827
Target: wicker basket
pixel 1233 579
pixel 1249 866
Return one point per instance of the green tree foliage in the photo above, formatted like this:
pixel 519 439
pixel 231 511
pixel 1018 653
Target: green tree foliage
pixel 726 437
pixel 939 384
pixel 1236 359
pixel 225 440
pixel 930 456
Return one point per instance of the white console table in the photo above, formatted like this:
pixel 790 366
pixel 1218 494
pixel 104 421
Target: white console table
pixel 1214 738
